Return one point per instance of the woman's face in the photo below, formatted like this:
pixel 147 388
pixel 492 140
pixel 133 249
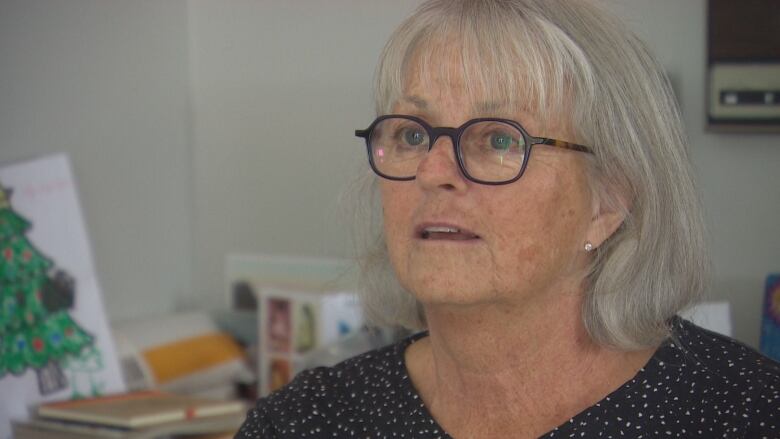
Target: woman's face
pixel 516 242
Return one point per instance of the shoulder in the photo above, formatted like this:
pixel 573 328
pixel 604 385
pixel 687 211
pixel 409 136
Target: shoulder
pixel 328 398
pixel 726 359
pixel 731 379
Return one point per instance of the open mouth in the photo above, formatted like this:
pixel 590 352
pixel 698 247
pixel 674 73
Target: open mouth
pixel 446 233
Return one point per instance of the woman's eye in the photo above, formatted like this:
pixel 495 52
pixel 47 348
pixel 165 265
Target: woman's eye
pixel 413 137
pixel 501 141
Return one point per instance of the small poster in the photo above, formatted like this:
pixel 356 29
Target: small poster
pixel 54 337
pixel 770 323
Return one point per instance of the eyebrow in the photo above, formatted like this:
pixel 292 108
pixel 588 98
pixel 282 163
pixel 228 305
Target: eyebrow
pixel 491 107
pixel 486 107
pixel 417 101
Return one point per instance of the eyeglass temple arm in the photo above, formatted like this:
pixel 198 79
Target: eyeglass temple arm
pixel 561 144
pixel 361 133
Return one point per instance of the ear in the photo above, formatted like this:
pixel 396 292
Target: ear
pixel 610 208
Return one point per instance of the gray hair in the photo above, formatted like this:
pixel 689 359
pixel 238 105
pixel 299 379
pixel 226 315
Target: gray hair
pixel 571 59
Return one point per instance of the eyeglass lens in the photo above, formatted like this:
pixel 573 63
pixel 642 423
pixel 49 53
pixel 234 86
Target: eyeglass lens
pixel 490 150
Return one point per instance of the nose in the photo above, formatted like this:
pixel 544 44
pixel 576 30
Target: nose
pixel 439 168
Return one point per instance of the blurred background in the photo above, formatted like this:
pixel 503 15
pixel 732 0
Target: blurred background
pixel 199 128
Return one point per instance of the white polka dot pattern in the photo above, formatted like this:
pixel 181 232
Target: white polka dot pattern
pixel 698 385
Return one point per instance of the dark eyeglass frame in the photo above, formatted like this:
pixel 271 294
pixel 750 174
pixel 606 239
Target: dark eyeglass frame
pixel 455 134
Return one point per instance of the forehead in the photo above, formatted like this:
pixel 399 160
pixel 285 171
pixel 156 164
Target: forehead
pixel 445 75
pixel 447 71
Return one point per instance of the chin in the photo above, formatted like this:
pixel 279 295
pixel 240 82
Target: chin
pixel 446 289
pixel 443 278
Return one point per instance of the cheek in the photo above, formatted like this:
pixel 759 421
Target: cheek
pixel 537 234
pixel 396 213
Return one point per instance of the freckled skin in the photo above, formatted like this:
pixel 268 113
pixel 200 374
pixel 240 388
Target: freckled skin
pixel 531 231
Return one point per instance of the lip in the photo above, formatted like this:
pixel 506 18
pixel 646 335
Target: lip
pixel 421 229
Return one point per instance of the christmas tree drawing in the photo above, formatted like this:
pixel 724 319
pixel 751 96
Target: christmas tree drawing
pixel 36 330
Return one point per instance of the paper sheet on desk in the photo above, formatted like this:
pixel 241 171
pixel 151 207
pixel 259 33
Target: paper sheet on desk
pixel 43 193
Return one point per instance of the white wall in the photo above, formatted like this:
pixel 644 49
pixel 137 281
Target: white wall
pixel 252 156
pixel 106 81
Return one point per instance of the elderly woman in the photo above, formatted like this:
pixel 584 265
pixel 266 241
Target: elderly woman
pixel 542 226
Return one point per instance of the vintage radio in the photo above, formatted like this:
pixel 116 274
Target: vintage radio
pixel 744 65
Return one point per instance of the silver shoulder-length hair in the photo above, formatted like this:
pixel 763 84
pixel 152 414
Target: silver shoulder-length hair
pixel 569 59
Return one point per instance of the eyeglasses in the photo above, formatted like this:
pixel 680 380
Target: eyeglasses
pixel 488 150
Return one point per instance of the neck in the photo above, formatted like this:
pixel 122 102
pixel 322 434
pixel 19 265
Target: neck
pixel 498 336
pixel 532 362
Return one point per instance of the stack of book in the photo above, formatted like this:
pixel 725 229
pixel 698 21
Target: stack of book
pixel 138 415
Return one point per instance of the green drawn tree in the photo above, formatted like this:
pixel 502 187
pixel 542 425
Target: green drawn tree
pixel 36 331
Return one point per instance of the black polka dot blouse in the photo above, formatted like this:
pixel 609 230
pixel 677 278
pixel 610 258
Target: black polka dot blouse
pixel 697 385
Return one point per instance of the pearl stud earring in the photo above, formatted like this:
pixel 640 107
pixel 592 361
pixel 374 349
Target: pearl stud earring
pixel 588 247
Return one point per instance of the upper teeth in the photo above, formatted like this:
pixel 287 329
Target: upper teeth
pixel 441 230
